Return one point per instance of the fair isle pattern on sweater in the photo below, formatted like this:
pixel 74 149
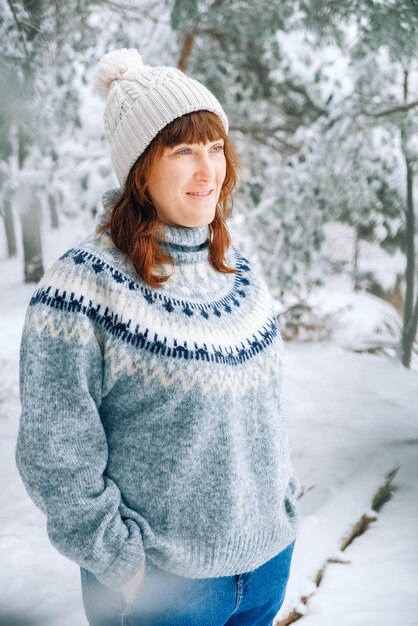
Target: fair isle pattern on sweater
pixel 131 331
pixel 152 420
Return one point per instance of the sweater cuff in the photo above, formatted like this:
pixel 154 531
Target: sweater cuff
pixel 129 560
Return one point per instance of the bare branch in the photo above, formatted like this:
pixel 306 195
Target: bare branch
pixel 402 108
pixel 261 129
pixel 19 28
pixel 138 11
pixel 266 137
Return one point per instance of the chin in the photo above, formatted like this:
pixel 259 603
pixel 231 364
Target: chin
pixel 201 222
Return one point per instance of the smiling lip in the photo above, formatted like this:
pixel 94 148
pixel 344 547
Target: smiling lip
pixel 200 194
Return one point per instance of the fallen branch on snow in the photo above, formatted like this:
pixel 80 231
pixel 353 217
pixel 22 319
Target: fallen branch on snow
pixel 382 495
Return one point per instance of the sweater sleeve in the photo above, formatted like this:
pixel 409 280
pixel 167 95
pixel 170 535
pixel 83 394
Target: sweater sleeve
pixel 61 451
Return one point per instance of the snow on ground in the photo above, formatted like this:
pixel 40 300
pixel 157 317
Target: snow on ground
pixel 351 418
pixel 379 583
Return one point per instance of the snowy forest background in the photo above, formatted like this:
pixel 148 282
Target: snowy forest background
pixel 322 99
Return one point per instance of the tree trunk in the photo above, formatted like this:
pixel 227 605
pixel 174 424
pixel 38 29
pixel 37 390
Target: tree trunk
pixel 356 285
pixel 53 213
pixel 7 212
pixel 9 227
pixel 409 327
pixel 30 212
pixel 31 216
pixel 187 46
pixel 185 52
pixel 414 326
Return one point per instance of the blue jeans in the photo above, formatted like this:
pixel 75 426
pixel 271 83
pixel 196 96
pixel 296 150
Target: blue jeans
pixel 164 599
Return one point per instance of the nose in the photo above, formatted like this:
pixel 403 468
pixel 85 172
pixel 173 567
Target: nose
pixel 205 169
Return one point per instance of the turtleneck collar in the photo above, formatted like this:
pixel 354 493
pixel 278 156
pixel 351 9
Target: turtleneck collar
pixel 185 244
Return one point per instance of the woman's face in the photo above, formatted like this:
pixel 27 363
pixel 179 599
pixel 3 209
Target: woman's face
pixel 185 183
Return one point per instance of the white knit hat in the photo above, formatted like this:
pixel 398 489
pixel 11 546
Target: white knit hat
pixel 141 100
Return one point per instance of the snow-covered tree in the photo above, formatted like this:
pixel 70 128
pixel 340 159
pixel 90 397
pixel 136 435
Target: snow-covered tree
pixel 49 51
pixel 385 98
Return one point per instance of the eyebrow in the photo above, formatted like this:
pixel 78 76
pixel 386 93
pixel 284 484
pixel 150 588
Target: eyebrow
pixel 184 143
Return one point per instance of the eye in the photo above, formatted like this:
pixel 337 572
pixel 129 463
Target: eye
pixel 217 149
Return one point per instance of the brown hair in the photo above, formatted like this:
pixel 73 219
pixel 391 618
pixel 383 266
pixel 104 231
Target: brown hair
pixel 133 220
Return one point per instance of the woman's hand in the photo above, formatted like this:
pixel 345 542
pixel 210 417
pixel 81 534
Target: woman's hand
pixel 133 585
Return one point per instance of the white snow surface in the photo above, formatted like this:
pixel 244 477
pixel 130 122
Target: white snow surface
pixel 352 418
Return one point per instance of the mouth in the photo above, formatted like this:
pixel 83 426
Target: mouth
pixel 200 194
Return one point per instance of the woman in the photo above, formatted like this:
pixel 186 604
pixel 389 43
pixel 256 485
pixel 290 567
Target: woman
pixel 152 433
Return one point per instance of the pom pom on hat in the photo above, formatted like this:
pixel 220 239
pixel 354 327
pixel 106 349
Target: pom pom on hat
pixel 112 66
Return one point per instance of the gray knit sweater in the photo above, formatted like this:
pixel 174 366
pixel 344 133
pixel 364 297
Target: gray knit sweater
pixel 151 421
